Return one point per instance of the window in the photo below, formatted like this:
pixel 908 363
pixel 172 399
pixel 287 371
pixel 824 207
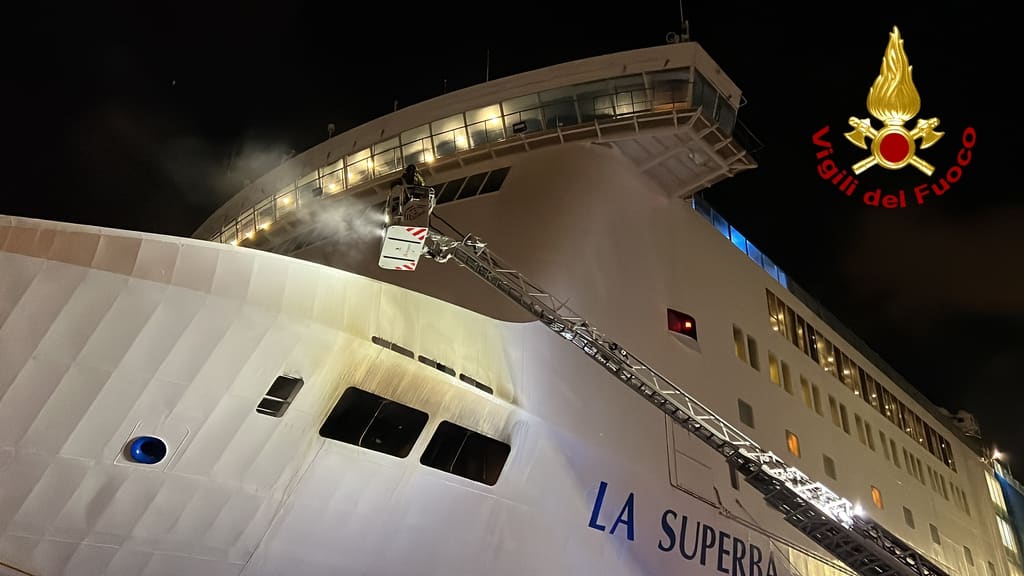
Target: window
pixel 280 395
pixel 844 418
pixel 833 407
pixel 968 556
pixel 895 454
pixel 793 443
pixel 741 347
pixel 773 369
pixel 476 383
pixel 908 516
pixel 876 497
pixel 466 453
pixel 392 346
pixel 437 365
pixel 832 359
pixel 494 181
pixel 805 387
pixel 755 359
pixel 870 435
pixel 787 380
pixel 830 466
pixel 885 445
pixel 817 399
pixel 1006 533
pixel 682 323
pixel 995 492
pixel 935 534
pixel 860 428
pixel 373 422
pixel 746 413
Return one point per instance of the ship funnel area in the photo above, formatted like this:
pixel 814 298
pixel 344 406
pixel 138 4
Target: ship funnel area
pixel 831 521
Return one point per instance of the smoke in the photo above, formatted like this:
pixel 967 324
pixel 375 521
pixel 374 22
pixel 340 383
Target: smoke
pixel 348 230
pixel 207 174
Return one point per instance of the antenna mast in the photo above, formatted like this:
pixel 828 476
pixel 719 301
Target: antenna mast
pixel 684 35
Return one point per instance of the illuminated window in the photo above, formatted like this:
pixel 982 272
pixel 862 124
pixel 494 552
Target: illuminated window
pixel 876 497
pixel 741 347
pixel 995 492
pixel 1006 533
pixel 773 369
pixel 793 443
pixel 681 323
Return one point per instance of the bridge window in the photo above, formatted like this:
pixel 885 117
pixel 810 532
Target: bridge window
pixel 373 422
pixel 876 497
pixel 494 181
pixel 935 534
pixel 279 397
pixel 466 453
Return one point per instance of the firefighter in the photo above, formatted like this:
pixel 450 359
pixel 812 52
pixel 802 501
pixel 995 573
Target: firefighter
pixel 412 176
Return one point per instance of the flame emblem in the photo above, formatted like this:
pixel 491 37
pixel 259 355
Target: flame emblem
pixel 893 100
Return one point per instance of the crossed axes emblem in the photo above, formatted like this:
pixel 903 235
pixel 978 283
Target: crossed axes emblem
pixel 898 137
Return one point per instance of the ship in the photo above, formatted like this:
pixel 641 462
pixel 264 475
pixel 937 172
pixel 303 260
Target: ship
pixel 579 368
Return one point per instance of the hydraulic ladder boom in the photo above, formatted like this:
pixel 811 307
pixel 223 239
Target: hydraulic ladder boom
pixel 810 507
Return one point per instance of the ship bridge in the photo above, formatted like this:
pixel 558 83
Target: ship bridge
pixel 669 109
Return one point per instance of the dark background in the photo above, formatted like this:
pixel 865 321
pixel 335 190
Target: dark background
pixel 149 116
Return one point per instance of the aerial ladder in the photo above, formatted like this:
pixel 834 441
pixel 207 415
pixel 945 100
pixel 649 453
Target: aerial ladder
pixel 831 521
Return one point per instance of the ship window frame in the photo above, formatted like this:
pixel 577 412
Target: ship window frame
pixel 360 418
pixel 279 396
pixel 746 413
pixel 437 454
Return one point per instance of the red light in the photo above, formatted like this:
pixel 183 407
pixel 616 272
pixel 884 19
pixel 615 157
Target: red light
pixel 681 323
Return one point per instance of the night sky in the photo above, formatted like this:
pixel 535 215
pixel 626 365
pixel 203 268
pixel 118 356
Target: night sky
pixel 149 116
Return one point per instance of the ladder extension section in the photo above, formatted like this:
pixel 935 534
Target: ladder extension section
pixel 809 506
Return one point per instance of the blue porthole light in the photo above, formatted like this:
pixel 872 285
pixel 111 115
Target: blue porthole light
pixel 147 450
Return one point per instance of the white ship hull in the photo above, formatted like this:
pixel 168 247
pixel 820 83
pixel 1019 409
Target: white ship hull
pixel 183 344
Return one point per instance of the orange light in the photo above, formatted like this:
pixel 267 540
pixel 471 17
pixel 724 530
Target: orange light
pixel 687 324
